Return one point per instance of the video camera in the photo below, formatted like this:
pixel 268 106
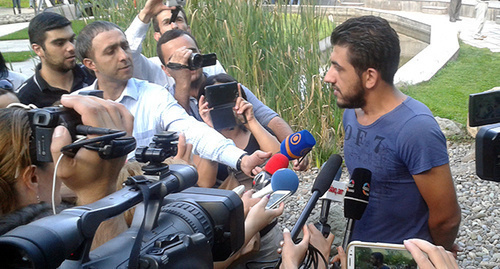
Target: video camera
pixel 188 229
pixel 484 109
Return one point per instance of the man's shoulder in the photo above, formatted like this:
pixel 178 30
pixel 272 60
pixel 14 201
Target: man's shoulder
pixel 27 87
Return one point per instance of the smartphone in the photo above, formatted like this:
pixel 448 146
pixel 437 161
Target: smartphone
pixel 378 255
pixel 221 94
pixel 276 198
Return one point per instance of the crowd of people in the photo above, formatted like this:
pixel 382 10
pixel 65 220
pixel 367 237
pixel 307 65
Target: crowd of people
pixel 412 194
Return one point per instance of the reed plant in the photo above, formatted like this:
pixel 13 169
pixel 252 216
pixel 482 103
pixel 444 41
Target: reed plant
pixel 273 50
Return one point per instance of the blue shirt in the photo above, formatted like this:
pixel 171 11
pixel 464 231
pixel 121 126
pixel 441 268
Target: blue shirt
pixel 404 142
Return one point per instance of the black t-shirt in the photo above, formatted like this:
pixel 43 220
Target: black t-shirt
pixel 37 91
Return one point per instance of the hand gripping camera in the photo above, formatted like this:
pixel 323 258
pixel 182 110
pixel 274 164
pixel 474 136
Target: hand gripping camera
pixel 188 229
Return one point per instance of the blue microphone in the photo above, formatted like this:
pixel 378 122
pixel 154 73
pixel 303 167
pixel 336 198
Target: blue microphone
pixel 297 145
pixel 283 179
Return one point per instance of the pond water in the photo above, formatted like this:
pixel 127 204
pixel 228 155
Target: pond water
pixel 409 48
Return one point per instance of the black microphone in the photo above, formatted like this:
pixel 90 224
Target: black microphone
pixel 356 200
pixel 322 225
pixel 320 186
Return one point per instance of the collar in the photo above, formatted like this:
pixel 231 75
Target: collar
pixel 130 91
pixel 79 77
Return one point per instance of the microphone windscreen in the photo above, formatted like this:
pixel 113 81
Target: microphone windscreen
pixel 297 144
pixel 358 193
pixel 327 174
pixel 285 179
pixel 277 161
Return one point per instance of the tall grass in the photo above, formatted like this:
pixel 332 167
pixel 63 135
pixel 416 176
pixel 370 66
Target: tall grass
pixel 272 51
pixel 276 54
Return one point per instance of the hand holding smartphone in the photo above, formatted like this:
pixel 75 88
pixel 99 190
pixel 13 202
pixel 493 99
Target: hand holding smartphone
pixel 276 198
pixel 378 255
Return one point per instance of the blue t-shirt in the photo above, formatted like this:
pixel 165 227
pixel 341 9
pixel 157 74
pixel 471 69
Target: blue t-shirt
pixel 404 142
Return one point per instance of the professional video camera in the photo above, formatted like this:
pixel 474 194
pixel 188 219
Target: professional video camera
pixel 484 108
pixel 110 144
pixel 189 229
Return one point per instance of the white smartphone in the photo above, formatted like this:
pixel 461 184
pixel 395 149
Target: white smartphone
pixel 378 255
pixel 276 198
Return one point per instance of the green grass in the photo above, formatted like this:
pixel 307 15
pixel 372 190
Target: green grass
pixel 8 3
pixel 23 34
pixel 447 93
pixel 12 57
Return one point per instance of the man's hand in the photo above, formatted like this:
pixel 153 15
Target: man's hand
pixel 89 176
pixel 184 150
pixel 152 8
pixel 250 162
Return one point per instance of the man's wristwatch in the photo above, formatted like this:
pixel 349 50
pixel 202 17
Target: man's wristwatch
pixel 238 163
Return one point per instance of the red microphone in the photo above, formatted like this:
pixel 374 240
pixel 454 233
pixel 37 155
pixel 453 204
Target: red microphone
pixel 276 162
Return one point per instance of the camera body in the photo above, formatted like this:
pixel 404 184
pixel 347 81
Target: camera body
pixel 43 121
pixel 197 60
pixel 174 226
pixel 484 110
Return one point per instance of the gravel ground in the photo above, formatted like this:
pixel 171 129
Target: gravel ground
pixel 479 235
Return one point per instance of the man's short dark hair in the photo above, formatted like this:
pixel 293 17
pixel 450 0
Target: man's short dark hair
pixel 83 47
pixel 378 257
pixel 175 13
pixel 44 22
pixel 372 43
pixel 170 35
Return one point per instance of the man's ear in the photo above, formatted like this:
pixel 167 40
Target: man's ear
pixel 89 63
pixel 38 49
pixel 370 78
pixel 165 70
pixel 157 36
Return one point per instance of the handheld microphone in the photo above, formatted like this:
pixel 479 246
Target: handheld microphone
pixel 356 200
pixel 320 186
pixel 262 179
pixel 297 145
pixel 283 179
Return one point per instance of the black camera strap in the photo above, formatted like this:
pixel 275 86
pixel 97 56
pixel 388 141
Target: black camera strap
pixel 178 66
pixel 133 261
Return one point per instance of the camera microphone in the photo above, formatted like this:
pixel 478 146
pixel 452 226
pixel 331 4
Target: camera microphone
pixel 283 179
pixel 320 186
pixel 262 179
pixel 356 199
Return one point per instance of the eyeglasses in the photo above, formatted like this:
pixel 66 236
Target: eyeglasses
pixel 6 85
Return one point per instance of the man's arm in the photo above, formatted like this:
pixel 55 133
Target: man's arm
pixel 437 188
pixel 136 33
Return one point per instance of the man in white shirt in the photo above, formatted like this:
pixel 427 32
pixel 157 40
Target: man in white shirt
pixel 103 48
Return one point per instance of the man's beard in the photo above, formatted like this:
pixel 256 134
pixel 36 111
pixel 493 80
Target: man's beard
pixel 355 101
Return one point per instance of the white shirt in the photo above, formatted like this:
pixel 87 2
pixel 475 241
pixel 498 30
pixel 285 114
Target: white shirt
pixel 155 110
pixel 150 69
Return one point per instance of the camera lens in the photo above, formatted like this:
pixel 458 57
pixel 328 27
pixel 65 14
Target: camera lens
pixel 195 61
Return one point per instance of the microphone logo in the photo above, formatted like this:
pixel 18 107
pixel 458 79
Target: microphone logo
pixel 366 189
pixel 350 186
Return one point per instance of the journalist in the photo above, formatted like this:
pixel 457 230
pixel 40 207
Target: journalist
pixel 90 177
pixel 103 48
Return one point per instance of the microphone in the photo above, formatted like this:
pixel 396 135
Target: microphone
pixel 356 200
pixel 277 161
pixel 283 179
pixel 335 193
pixel 320 186
pixel 297 145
